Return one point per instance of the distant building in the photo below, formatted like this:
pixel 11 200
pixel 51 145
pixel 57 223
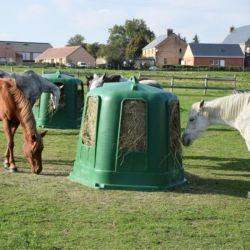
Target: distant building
pixel 8 55
pixel 222 55
pixel 240 36
pixel 27 50
pixel 166 49
pixel 70 54
pixel 101 62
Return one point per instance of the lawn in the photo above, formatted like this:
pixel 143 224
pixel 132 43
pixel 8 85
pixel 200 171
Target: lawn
pixel 51 212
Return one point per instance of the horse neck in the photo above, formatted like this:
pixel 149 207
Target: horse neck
pixel 24 113
pixel 221 110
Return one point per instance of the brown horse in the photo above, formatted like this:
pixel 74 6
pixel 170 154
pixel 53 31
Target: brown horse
pixel 15 109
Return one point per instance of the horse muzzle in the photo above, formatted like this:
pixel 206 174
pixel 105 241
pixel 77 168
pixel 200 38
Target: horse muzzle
pixel 186 140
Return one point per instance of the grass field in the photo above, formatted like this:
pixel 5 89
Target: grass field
pixel 51 212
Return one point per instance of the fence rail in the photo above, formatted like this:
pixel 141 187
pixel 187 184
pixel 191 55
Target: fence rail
pixel 204 84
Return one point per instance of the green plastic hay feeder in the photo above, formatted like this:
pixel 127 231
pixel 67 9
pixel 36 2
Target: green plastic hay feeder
pixel 69 113
pixel 129 139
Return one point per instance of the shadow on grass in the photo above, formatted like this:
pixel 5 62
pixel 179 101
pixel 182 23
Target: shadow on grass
pixel 233 183
pixel 57 169
pixel 200 185
pixel 44 172
pixel 226 163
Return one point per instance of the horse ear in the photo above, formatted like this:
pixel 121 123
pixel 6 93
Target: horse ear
pixel 89 77
pixel 202 104
pixel 43 133
pixel 103 77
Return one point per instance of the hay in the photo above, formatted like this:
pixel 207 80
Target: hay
pixel 175 130
pixel 89 125
pixel 133 133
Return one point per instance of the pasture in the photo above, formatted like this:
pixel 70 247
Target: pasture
pixel 50 212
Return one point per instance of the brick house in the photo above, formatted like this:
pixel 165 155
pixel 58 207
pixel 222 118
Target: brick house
pixel 166 49
pixel 69 54
pixel 205 54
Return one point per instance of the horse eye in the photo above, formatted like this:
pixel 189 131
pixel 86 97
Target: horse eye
pixel 191 119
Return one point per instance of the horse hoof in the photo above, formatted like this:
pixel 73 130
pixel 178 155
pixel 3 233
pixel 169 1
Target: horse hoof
pixel 6 165
pixel 13 170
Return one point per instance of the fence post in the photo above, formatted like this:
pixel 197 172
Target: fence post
pixel 172 83
pixel 234 82
pixel 205 85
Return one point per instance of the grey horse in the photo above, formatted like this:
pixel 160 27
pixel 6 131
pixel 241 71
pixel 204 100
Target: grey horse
pixel 33 85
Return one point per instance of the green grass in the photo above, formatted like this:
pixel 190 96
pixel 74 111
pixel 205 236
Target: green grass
pixel 51 212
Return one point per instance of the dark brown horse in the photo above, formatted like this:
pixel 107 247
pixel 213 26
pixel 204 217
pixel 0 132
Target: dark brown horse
pixel 15 109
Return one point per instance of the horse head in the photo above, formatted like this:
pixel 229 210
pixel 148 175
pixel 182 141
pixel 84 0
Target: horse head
pixel 32 149
pixel 97 81
pixel 40 84
pixel 197 123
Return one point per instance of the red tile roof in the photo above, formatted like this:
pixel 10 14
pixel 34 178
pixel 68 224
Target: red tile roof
pixel 57 52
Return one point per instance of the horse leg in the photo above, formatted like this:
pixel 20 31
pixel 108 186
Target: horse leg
pixel 13 127
pixel 9 156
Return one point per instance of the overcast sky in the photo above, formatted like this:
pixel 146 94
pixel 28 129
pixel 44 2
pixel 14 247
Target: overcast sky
pixel 55 21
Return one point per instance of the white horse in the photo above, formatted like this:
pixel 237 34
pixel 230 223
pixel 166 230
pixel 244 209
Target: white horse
pixel 233 110
pixel 97 81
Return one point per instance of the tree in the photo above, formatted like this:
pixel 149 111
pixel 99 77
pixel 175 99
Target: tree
pixel 138 26
pixel 127 40
pixel 77 40
pixel 93 49
pixel 196 39
pixel 134 48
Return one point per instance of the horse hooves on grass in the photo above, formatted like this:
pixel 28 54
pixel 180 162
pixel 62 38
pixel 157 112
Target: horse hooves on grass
pixel 13 170
pixel 6 165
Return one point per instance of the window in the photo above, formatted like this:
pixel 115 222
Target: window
pixel 165 61
pixel 215 62
pixel 26 55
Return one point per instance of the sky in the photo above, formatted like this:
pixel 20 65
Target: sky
pixel 56 21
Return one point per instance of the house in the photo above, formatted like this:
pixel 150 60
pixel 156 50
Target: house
pixel 240 36
pixel 166 49
pixel 206 54
pixel 70 54
pixel 101 62
pixel 9 56
pixel 28 50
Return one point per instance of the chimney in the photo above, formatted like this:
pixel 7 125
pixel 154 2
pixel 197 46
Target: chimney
pixel 232 29
pixel 169 32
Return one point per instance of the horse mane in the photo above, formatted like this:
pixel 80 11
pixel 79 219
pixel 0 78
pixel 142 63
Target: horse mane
pixel 228 107
pixel 22 104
